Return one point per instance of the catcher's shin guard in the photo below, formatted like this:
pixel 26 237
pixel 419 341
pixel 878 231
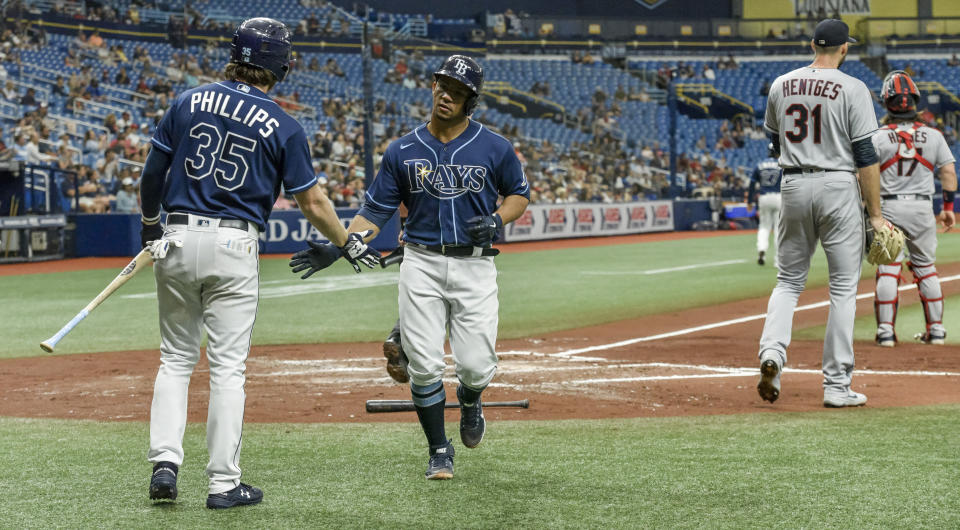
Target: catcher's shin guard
pixel 886 300
pixel 928 286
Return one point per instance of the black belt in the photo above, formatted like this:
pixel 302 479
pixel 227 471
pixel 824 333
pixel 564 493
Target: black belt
pixel 184 219
pixel 906 197
pixel 799 170
pixel 456 251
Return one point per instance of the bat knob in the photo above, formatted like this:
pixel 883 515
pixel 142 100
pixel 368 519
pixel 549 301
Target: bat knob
pixel 46 347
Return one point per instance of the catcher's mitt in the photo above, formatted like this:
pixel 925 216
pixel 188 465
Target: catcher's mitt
pixel 884 247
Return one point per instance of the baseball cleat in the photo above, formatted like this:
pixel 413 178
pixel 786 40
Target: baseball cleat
pixel 163 482
pixel 396 358
pixel 760 260
pixel 472 424
pixel 440 466
pixel 850 399
pixel 932 337
pixel 242 495
pixel 769 385
pixel 887 340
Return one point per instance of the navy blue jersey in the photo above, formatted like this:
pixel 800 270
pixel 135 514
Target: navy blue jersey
pixel 232 147
pixel 766 177
pixel 443 185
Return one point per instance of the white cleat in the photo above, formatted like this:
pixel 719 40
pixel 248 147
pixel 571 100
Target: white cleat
pixel 850 399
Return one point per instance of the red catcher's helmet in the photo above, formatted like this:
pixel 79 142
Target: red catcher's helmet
pixel 900 94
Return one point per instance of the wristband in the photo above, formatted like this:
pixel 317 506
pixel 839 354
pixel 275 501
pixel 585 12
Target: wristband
pixel 948 197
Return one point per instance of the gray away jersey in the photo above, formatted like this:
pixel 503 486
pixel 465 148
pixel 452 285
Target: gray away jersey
pixel 908 173
pixel 818 113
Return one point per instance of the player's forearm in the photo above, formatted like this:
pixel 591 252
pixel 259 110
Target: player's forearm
pixel 512 207
pixel 948 177
pixel 362 224
pixel 870 189
pixel 318 209
pixel 151 183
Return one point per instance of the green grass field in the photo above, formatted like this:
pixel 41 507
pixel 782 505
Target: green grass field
pixel 878 468
pixel 539 292
pixel 850 468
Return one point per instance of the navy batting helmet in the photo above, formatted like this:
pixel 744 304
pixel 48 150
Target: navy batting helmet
pixel 468 72
pixel 900 94
pixel 263 42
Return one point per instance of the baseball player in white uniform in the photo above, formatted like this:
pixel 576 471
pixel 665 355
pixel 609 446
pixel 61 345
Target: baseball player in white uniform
pixel 822 121
pixel 910 155
pixel 765 194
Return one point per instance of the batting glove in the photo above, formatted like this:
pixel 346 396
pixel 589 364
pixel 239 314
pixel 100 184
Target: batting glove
pixel 356 251
pixel 159 247
pixel 316 258
pixel 484 229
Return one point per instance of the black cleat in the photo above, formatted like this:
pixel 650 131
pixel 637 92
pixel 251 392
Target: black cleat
pixel 760 260
pixel 440 466
pixel 396 359
pixel 242 495
pixel 163 482
pixel 769 385
pixel 472 424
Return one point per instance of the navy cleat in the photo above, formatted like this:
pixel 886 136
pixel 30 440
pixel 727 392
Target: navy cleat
pixel 472 424
pixel 163 482
pixel 440 466
pixel 769 385
pixel 242 495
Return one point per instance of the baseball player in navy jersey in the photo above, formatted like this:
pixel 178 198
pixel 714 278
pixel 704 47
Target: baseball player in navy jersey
pixel 449 173
pixel 822 122
pixel 218 159
pixel 765 195
pixel 911 154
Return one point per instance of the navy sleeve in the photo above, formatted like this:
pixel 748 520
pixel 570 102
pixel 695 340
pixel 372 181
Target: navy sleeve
pixel 512 180
pixel 151 182
pixel 297 171
pixel 163 138
pixel 383 197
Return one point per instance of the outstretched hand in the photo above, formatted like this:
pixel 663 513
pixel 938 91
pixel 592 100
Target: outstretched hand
pixel 317 257
pixel 357 252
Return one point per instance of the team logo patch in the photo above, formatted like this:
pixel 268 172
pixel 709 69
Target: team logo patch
pixel 445 181
pixel 243 88
pixel 651 4
pixel 461 67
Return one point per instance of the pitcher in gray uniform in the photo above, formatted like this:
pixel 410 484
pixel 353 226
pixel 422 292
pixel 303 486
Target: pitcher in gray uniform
pixel 910 155
pixel 821 121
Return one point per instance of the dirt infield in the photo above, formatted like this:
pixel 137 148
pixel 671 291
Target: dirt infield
pixel 569 374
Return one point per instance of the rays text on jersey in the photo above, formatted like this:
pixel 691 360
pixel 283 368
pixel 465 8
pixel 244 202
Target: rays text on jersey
pixel 242 111
pixel 446 181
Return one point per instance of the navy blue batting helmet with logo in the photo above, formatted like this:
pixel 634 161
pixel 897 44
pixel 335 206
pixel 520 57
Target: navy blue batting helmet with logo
pixel 468 72
pixel 263 42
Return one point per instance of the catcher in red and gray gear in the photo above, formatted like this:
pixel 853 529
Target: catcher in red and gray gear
pixel 911 154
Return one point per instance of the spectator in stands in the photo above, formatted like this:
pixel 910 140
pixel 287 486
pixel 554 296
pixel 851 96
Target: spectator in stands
pixel 59 88
pixel 953 60
pixel 65 159
pixel 32 150
pixel 93 91
pixel 333 68
pixel 908 68
pixel 108 166
pixel 93 198
pixel 765 88
pixel 708 72
pixel 93 143
pixel 29 99
pixel 121 78
pixel 95 40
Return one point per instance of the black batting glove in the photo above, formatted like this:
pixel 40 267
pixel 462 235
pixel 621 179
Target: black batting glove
pixel 357 252
pixel 483 229
pixel 150 233
pixel 316 258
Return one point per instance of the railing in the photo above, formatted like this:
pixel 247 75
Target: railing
pixel 706 88
pixel 70 124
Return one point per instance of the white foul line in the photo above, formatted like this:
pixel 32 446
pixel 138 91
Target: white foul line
pixel 705 327
pixel 661 271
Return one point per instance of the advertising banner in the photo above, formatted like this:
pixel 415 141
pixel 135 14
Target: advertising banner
pixel 555 221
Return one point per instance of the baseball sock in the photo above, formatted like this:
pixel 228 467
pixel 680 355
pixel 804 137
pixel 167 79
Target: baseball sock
pixel 430 401
pixel 468 397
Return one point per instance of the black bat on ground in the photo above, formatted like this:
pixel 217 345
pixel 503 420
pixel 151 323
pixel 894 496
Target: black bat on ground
pixel 405 405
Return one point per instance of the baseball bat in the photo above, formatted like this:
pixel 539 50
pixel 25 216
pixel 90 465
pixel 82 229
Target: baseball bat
pixel 140 261
pixel 405 405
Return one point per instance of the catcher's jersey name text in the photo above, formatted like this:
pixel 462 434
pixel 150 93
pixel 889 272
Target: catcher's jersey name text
pixel 811 87
pixel 249 114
